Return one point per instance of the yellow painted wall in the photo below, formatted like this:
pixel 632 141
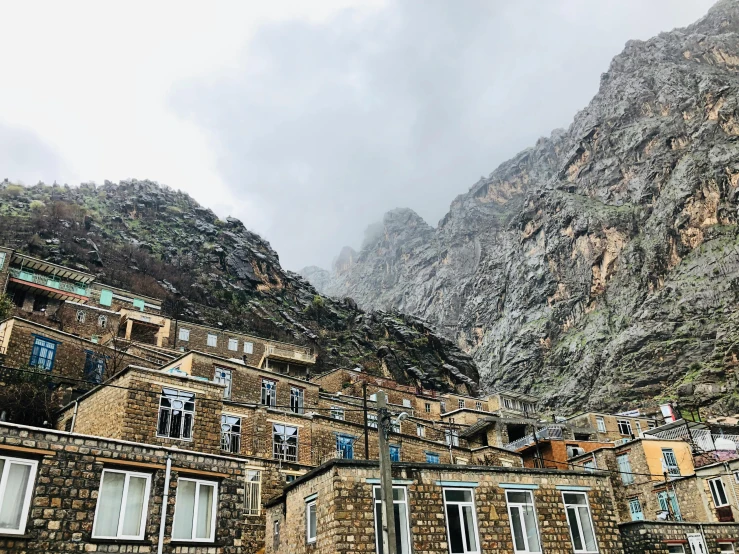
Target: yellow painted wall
pixel 653 454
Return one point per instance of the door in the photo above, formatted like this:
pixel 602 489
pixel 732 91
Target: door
pixel 697 546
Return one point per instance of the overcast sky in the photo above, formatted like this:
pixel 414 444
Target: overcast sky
pixel 306 119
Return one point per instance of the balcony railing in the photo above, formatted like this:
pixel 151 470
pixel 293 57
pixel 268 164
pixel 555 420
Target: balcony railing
pixel 48 281
pixel 701 438
pixel 289 353
pixel 528 440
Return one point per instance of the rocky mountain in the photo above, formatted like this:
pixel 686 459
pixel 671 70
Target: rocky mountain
pixel 600 267
pixel 160 242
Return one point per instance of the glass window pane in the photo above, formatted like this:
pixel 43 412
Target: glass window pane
pixel 571 498
pixel 205 512
pixel 11 510
pixel 402 540
pixel 587 529
pixel 457 495
pixel 184 511
pixel 519 497
pixel 312 521
pixel 455 530
pixel 469 528
pixel 532 533
pixel 109 504
pixel 398 493
pixel 134 507
pixel 517 524
pixel 574 528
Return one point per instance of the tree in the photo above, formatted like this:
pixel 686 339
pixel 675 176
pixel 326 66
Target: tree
pixel 28 398
pixel 6 306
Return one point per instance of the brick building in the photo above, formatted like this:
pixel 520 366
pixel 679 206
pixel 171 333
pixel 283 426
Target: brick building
pixel 607 427
pixel 662 537
pixel 333 509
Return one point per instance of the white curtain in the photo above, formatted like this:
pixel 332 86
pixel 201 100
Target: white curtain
pixel 11 505
pixel 134 507
pixel 109 505
pixel 184 510
pixel 205 512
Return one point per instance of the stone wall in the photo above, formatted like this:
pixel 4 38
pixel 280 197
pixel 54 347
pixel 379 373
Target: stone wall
pixel 95 322
pixel 198 340
pixel 68 480
pixel 345 508
pixel 654 537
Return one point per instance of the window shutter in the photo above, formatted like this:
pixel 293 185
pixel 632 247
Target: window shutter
pixel 106 297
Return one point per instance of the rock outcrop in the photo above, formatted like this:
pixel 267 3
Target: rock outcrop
pixel 600 267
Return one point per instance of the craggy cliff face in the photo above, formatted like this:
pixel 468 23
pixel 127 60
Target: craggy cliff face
pixel 601 266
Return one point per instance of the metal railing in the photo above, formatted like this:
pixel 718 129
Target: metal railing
pixel 528 440
pixel 702 439
pixel 47 281
pixel 295 354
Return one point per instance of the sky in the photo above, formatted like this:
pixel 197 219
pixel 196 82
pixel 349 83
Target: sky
pixel 306 120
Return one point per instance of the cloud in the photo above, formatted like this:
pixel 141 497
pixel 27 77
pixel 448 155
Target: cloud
pixel 22 153
pixel 325 125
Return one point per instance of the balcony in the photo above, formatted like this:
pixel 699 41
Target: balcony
pixel 285 353
pixel 543 434
pixel 49 282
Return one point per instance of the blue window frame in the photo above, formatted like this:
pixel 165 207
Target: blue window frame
pixel 43 353
pixel 345 446
pixel 94 367
pixel 394 453
pixel 432 458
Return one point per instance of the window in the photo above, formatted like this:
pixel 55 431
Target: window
pixel 2 259
pixel 248 348
pixel 461 522
pixel 284 442
pixel 726 548
pixel 624 467
pixel 524 527
pixel 624 427
pixel 590 464
pixel 402 528
pixel 432 458
pixel 406 403
pixel 195 510
pixel 638 428
pixel 600 423
pixel 176 413
pixel 17 478
pixel 43 353
pixel 394 453
pixel 478 406
pixel 652 424
pixel 122 505
pixel 269 389
pixel 296 400
pixel 635 509
pixel 337 412
pixel 212 340
pixel 289 477
pixel 460 403
pixel 253 492
pixel 310 522
pixel 451 436
pixel 718 492
pixel 106 297
pixel 372 421
pixel 675 549
pixel 233 344
pixel 94 370
pixel 138 304
pixel 276 536
pixel 223 376
pixel 428 407
pixel 580 522
pixel 185 335
pixel 670 462
pixel 394 425
pixel 230 434
pixel 420 430
pixel 668 504
pixel 103 321
pixel 736 476
pixel 81 316
pixel 345 447
pixel 443 406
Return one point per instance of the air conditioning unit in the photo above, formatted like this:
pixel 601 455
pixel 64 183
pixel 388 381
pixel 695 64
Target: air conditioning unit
pixel 573 451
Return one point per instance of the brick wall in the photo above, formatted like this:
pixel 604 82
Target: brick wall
pixel 68 480
pixel 198 340
pixel 345 509
pixel 92 325
pixel 652 537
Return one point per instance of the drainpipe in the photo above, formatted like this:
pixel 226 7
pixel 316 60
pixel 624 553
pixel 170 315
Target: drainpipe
pixel 165 498
pixel 74 416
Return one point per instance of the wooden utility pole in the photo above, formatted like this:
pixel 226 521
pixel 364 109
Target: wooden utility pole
pixel 366 430
pixel 386 477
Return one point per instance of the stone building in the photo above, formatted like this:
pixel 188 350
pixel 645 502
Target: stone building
pixel 641 490
pixel 333 509
pixel 71 492
pixel 663 537
pixel 607 427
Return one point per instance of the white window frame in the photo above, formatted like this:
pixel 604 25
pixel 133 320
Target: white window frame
pixel 461 518
pixel 420 430
pixel 478 405
pixel 253 492
pixel 675 549
pixel 451 437
pixel 81 316
pixel 579 522
pixel 198 483
pixel 638 427
pixel 248 347
pixel 227 381
pixel 227 433
pixel 725 547
pixel 124 501
pixel 184 335
pixel 103 321
pixel 337 413
pixel 375 501
pixel 627 424
pixel 672 470
pixel 713 486
pixel 233 344
pixel 271 392
pixel 33 464
pixel 372 421
pixel 520 506
pixel 406 403
pixel 460 403
pixel 600 423
pixel 428 407
pixel 310 505
pixel 214 340
pixel 297 400
pixel 171 409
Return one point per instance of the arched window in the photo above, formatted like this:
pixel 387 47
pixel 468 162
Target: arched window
pixel 103 321
pixel 81 316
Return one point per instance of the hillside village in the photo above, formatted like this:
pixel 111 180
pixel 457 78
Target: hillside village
pixel 163 435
